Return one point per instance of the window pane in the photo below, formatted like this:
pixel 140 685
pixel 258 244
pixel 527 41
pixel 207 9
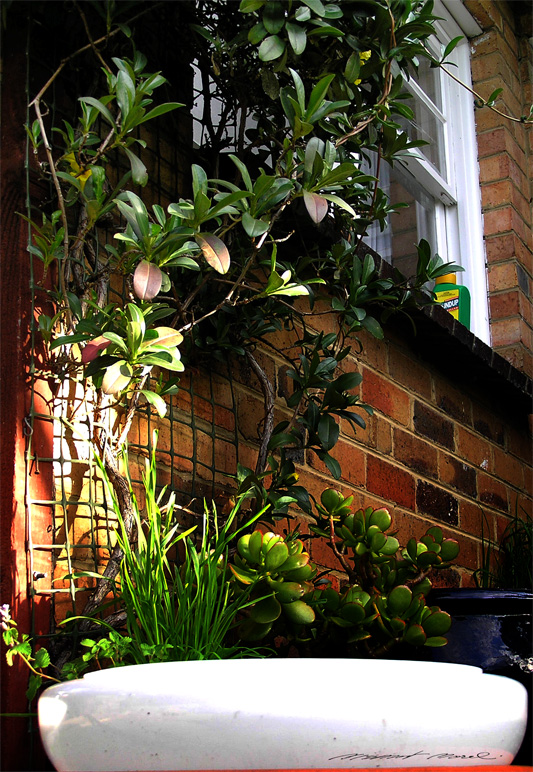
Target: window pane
pixel 405 228
pixel 427 126
pixel 429 80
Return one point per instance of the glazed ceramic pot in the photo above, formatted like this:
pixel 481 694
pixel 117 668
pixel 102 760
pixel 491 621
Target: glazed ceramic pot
pixel 258 714
pixel 491 629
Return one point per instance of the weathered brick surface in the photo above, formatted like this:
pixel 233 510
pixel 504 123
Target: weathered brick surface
pixel 501 58
pixel 433 426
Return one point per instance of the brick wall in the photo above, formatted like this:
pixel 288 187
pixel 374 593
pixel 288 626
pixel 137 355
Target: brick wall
pixel 502 57
pixel 441 448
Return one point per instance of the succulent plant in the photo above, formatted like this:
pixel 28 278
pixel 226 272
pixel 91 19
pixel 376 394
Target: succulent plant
pixel 383 602
pixel 281 574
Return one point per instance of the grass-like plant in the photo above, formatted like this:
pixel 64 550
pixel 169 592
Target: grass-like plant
pixel 507 564
pixel 177 609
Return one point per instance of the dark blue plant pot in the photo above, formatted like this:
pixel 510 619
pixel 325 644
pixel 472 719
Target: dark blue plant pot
pixel 491 629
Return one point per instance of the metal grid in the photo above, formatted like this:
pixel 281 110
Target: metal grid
pixel 71 528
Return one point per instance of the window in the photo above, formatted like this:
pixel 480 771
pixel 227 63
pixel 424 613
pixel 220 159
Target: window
pixel 441 180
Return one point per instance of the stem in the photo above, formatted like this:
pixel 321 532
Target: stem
pixel 38 672
pixel 91 41
pixel 132 407
pixel 48 150
pixel 268 393
pixel 81 50
pixel 484 102
pixel 340 557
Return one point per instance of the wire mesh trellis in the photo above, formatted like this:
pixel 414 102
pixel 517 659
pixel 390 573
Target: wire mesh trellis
pixel 69 527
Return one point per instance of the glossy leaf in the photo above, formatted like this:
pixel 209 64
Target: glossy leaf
pixel 316 205
pixel 271 48
pixel 147 280
pixel 214 251
pixel 93 348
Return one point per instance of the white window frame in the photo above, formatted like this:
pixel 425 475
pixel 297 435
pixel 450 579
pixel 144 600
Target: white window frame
pixel 457 196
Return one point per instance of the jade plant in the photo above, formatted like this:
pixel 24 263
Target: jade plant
pixel 382 602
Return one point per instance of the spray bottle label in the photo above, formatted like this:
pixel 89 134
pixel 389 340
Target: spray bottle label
pixel 449 300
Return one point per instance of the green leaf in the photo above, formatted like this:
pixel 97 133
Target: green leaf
pixel 100 107
pixel 139 173
pixel 451 45
pixel 317 206
pixel 317 96
pixel 273 16
pixel 125 89
pixel 254 227
pixel 271 48
pixel 199 181
pixel 353 66
pixel 316 6
pixel 328 431
pixel 297 37
pixel 279 439
pixel 266 610
pixel 34 684
pixel 248 6
pixel 399 600
pixel 299 612
pixel 331 463
pixel 300 89
pixel 373 327
pixel 156 401
pixel 244 172
pixel 42 659
pixel 160 110
pixel 214 251
pixel 257 33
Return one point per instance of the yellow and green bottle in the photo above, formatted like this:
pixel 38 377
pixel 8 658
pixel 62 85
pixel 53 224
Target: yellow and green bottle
pixel 453 297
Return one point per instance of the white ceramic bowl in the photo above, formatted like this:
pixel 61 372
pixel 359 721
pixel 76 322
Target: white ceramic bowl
pixel 258 714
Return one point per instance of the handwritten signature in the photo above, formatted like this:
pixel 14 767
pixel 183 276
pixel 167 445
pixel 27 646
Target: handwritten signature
pixel 482 756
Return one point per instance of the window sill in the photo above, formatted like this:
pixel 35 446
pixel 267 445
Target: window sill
pixel 453 349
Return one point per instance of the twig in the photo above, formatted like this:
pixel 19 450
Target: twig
pixel 352 576
pixel 268 393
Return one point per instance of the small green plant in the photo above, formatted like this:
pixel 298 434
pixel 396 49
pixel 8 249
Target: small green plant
pixel 382 603
pixel 181 608
pixel 507 564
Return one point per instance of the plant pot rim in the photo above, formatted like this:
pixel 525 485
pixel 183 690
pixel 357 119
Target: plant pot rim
pixel 482 602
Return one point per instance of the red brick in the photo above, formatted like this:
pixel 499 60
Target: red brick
pixel 375 352
pixel 487 424
pixel 386 397
pixel 415 453
pixel 518 357
pixel 496 194
pixel 437 503
pixel 390 482
pixel 492 492
pixel 383 436
pixel 457 474
pixel 505 332
pixel 505 304
pixel 468 552
pixel 503 276
pixel 410 373
pixel 351 460
pixel 471 515
pixel 485 13
pixel 453 402
pixel 432 425
pixel 473 448
pixel 508 468
pixel 520 442
pixel 498 220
